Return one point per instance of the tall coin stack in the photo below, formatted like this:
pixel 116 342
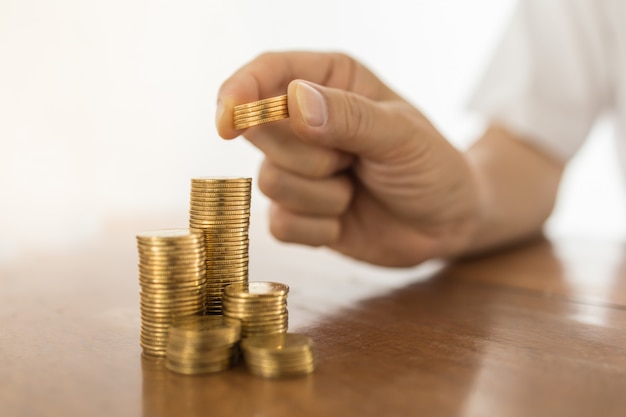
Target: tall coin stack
pixel 203 344
pixel 261 307
pixel 285 354
pixel 220 210
pixel 259 112
pixel 172 277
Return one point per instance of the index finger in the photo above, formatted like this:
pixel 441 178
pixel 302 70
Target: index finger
pixel 269 75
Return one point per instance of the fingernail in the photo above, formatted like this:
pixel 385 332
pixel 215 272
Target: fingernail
pixel 312 105
pixel 219 112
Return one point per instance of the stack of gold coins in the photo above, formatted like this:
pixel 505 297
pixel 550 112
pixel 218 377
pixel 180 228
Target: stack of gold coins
pixel 261 307
pixel 203 344
pixel 172 271
pixel 259 112
pixel 284 354
pixel 220 209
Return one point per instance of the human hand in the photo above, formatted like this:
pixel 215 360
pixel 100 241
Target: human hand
pixel 355 167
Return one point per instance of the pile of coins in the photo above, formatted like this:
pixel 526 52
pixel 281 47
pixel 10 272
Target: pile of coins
pixel 220 210
pixel 261 307
pixel 196 302
pixel 283 354
pixel 259 112
pixel 203 344
pixel 172 270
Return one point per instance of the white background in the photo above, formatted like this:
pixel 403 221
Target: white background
pixel 106 107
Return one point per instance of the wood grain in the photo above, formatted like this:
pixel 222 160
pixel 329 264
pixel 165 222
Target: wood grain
pixel 537 330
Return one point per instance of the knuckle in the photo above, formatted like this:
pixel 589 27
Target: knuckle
pixel 270 182
pixel 358 120
pixel 322 166
pixel 265 57
pixel 280 228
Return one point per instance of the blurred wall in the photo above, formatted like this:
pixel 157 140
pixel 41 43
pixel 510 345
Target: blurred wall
pixel 106 107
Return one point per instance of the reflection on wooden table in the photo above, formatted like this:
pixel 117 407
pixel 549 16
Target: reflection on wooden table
pixel 536 330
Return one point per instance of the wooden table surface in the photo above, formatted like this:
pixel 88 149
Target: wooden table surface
pixel 539 330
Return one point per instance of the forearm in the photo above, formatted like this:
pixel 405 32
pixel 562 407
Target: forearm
pixel 517 186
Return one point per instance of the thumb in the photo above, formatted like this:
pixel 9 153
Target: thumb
pixel 347 121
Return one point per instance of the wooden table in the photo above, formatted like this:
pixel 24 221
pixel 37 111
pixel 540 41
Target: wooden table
pixel 539 330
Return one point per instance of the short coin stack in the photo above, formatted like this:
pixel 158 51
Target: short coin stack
pixel 284 354
pixel 203 344
pixel 172 279
pixel 261 307
pixel 259 112
pixel 220 210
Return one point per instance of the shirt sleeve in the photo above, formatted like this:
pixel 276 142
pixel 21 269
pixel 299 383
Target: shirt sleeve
pixel 548 79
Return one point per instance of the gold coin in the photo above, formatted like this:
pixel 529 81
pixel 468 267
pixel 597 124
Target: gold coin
pixel 258 312
pixel 199 195
pixel 261 114
pixel 225 232
pixel 211 220
pixel 168 316
pixel 218 277
pixel 256 318
pixel 280 366
pixel 198 358
pixel 253 329
pixel 274 372
pixel 252 313
pixel 206 324
pixel 224 279
pixel 153 334
pixel 266 114
pixel 171 251
pixel 206 342
pixel 215 192
pixel 263 102
pixel 283 343
pixel 239 221
pixel 165 234
pixel 180 271
pixel 287 359
pixel 251 305
pixel 179 262
pixel 225 271
pixel 227 248
pixel 204 206
pixel 172 275
pixel 203 195
pixel 247 332
pixel 168 298
pixel 156 284
pixel 221 180
pixel 259 111
pixel 171 304
pixel 228 237
pixel 221 186
pixel 221 212
pixel 257 289
pixel 202 344
pixel 225 227
pixel 218 253
pixel 219 246
pixel 248 124
pixel 255 111
pixel 259 321
pixel 224 259
pixel 194 370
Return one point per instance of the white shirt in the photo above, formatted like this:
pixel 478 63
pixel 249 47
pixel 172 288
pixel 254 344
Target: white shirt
pixel 560 65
